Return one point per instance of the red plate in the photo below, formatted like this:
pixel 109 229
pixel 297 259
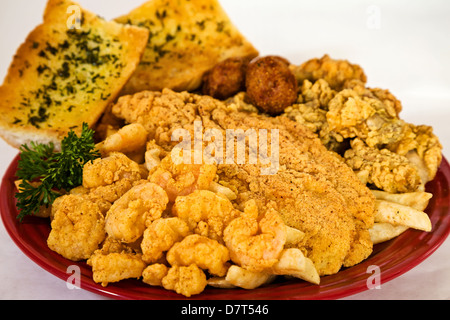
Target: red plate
pixel 394 257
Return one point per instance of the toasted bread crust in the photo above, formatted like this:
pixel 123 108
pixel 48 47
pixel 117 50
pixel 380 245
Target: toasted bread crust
pixel 187 38
pixel 61 77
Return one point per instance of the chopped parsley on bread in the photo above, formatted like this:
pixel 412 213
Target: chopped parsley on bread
pixel 187 38
pixel 62 77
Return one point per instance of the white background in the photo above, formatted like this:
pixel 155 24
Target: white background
pixel 403 46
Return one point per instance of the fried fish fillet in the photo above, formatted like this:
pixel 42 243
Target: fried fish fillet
pixel 312 189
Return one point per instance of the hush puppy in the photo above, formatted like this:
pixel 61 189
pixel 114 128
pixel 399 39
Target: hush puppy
pixel 270 84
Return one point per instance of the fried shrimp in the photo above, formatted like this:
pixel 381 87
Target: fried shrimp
pixel 180 179
pixel 206 253
pixel 255 241
pixel 130 138
pixel 114 267
pixel 105 180
pixel 130 215
pixel 154 273
pixel 77 228
pixel 206 212
pixel 107 171
pixel 160 236
pixel 188 281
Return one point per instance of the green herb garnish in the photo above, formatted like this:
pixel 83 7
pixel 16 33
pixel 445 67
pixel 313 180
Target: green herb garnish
pixel 46 174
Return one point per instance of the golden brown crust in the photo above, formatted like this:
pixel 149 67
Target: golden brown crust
pixel 313 190
pixel 270 84
pixel 335 72
pixel 61 77
pixel 226 79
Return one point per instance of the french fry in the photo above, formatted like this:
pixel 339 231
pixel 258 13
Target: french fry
pixel 292 262
pixel 246 279
pixel 383 231
pixel 398 214
pixel 218 188
pixel 293 237
pixel 417 200
pixel 220 282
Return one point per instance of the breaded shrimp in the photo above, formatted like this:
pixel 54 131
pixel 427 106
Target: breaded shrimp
pixel 154 273
pixel 106 171
pixel 114 267
pixel 206 212
pixel 129 216
pixel 106 179
pixel 160 236
pixel 206 253
pixel 255 241
pixel 188 281
pixel 130 138
pixel 77 228
pixel 180 179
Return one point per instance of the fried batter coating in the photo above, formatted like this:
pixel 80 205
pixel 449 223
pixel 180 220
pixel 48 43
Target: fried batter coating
pixel 255 241
pixel 162 113
pixel 314 190
pixel 318 93
pixel 370 114
pixel 154 273
pixel 422 148
pixel 179 179
pixel 335 72
pixel 206 253
pixel 226 79
pixel 186 280
pixel 311 111
pixel 128 139
pixel 206 212
pixel 77 228
pixel 352 115
pixel 153 156
pixel 134 211
pixel 384 169
pixel 270 84
pixel 160 236
pixel 392 105
pixel 389 149
pixel 106 171
pixel 106 179
pixel 111 245
pixel 114 267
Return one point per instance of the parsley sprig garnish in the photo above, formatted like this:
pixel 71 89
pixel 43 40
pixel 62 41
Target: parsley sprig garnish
pixel 46 174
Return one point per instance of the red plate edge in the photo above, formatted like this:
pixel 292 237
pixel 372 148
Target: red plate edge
pixel 413 246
